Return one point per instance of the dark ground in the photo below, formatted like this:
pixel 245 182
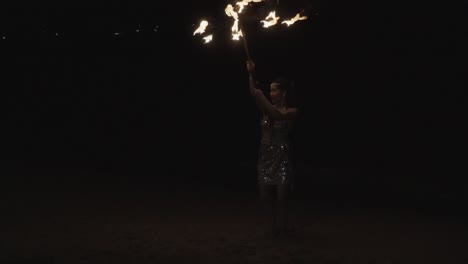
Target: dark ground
pixel 61 216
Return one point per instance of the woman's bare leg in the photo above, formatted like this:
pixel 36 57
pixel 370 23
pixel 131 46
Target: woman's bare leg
pixel 282 207
pixel 268 207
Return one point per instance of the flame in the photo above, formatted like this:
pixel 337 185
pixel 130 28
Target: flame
pixel 236 34
pixel 294 19
pixel 241 5
pixel 270 20
pixel 208 38
pixel 230 12
pixel 235 26
pixel 201 28
pixel 234 12
pixel 244 3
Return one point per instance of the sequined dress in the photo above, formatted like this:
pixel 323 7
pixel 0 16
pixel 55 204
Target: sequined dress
pixel 274 165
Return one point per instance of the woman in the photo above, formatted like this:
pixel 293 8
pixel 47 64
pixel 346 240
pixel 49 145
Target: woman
pixel 274 164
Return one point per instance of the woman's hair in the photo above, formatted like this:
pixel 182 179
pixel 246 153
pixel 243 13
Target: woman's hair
pixel 288 86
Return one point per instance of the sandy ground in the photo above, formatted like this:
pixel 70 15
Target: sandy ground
pixel 197 227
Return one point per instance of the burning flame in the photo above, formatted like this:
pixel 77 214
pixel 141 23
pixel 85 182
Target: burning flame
pixel 201 28
pixel 294 19
pixel 270 20
pixel 236 36
pixel 208 38
pixel 236 33
pixel 230 12
pixel 234 11
pixel 244 3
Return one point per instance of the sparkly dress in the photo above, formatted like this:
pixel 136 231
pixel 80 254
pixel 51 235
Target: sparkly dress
pixel 274 165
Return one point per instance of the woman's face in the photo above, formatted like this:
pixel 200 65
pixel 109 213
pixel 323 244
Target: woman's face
pixel 276 94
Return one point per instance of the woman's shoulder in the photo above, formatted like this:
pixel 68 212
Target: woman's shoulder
pixel 292 108
pixel 291 113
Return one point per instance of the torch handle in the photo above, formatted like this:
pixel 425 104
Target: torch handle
pixel 246 47
pixel 244 40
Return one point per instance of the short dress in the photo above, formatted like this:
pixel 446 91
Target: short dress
pixel 274 164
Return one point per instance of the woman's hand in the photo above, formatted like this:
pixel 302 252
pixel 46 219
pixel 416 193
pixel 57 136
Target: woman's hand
pixel 250 66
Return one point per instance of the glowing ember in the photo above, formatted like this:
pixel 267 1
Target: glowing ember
pixel 201 28
pixel 270 20
pixel 208 38
pixel 294 19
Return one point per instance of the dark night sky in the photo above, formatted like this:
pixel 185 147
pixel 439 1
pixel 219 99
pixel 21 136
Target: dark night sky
pixel 380 87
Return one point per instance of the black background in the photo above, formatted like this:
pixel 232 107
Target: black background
pixel 380 88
